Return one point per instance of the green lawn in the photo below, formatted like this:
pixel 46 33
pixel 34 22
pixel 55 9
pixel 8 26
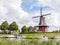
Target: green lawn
pixel 34 35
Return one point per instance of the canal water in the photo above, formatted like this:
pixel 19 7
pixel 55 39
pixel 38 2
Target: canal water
pixel 19 39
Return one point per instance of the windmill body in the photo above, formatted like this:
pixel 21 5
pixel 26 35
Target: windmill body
pixel 42 27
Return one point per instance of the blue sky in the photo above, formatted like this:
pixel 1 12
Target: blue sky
pixel 26 5
pixel 22 12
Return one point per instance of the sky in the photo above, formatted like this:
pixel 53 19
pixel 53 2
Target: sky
pixel 22 12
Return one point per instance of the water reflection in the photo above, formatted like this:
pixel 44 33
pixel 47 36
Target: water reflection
pixel 21 38
pixel 11 37
pixel 15 38
pixel 57 39
pixel 43 38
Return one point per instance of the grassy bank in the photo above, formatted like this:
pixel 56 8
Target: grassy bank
pixel 34 35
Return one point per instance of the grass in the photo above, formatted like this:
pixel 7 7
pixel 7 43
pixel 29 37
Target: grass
pixel 34 35
pixel 4 35
pixel 27 42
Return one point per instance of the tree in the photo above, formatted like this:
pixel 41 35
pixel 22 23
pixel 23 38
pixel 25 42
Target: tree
pixel 4 25
pixel 24 29
pixel 13 26
pixel 56 31
pixel 30 28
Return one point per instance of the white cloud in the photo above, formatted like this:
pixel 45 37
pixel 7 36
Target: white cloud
pixel 11 10
pixel 55 4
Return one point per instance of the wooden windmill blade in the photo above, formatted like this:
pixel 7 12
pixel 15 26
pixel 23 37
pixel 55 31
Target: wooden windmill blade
pixel 46 14
pixel 42 15
pixel 35 16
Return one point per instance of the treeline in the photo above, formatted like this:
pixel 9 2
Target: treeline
pixel 6 26
pixel 14 27
pixel 26 29
pixel 57 31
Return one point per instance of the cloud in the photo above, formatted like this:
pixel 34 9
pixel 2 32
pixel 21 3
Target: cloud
pixel 55 4
pixel 11 10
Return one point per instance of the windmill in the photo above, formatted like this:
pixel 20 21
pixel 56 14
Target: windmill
pixel 42 24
